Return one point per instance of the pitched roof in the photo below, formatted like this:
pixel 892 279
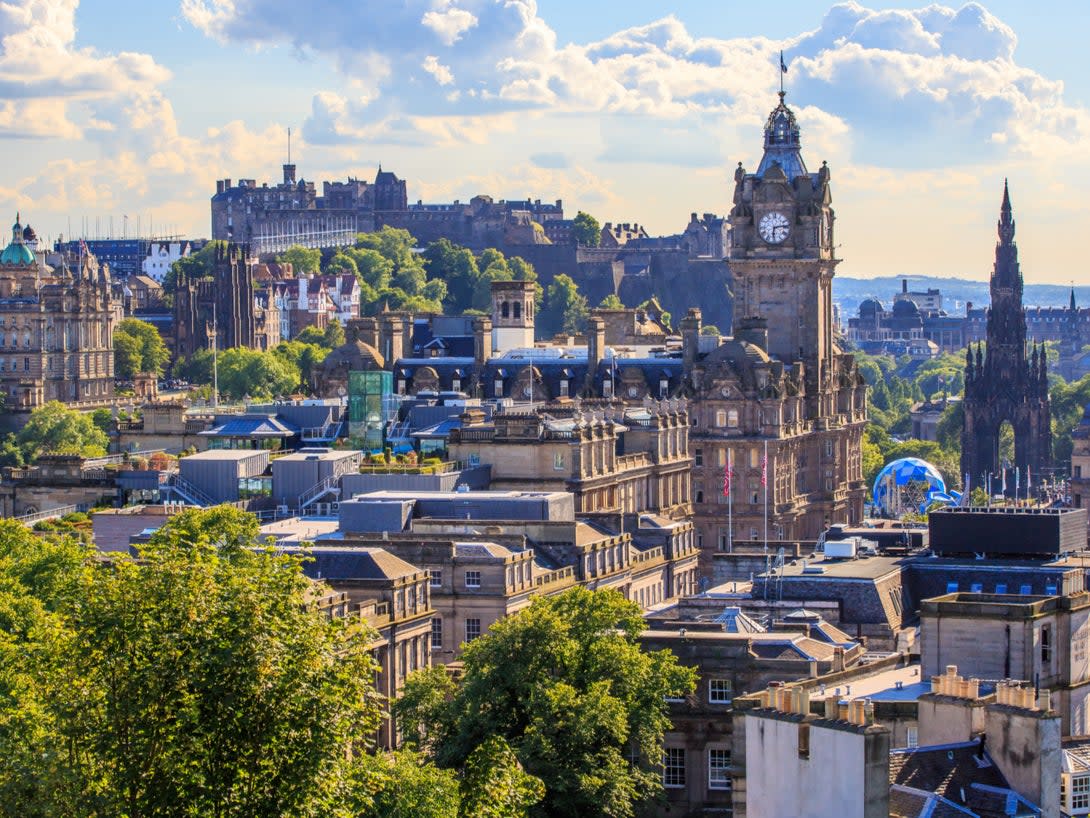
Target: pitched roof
pixel 957 774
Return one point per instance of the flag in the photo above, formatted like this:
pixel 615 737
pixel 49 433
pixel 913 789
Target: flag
pixel 764 467
pixel 1017 479
pixel 1003 489
pixel 727 476
pixel 783 65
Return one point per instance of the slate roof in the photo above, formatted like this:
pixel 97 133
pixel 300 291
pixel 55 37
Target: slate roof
pixel 352 563
pixel 962 782
pixel 252 426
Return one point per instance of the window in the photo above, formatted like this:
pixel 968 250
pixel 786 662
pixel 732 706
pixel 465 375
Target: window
pixel 436 578
pixel 699 496
pixel 804 741
pixel 976 587
pixel 1046 644
pixel 732 418
pixel 951 587
pixel 497 388
pixel 564 388
pixel 912 738
pixel 673 767
pixel 1001 587
pixel 473 579
pixel 473 629
pixel 456 384
pixel 664 387
pixel 558 461
pixel 1050 590
pixel 698 457
pixel 718 769
pixel 1080 792
pixel 607 389
pixel 720 691
pixel 436 633
pixel 1078 469
pixel 1025 590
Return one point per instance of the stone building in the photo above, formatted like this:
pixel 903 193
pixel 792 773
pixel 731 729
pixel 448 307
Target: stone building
pixel 226 306
pixel 1080 462
pixel 56 328
pixel 1007 382
pixel 618 461
pixel 779 400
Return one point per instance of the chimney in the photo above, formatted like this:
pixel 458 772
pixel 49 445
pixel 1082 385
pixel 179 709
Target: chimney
pixel 754 330
pixel 482 340
pixel 596 346
pixel 690 337
pixel 219 186
pixel 289 174
pixel 904 285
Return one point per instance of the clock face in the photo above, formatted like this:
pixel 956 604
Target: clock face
pixel 774 227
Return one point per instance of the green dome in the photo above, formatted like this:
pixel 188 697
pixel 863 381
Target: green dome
pixel 16 254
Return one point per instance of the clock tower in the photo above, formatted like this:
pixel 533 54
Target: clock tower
pixel 781 250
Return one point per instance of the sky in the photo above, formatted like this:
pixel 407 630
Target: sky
pixel 122 113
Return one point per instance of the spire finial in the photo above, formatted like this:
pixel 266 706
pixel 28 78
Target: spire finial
pixel 1006 219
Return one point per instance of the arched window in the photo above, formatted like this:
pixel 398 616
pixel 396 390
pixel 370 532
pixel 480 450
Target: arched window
pixel 504 310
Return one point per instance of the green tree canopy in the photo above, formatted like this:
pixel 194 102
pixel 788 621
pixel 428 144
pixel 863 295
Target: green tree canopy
pixel 565 307
pixel 586 229
pixel 458 268
pixel 198 680
pixel 138 348
pixel 611 302
pixel 249 372
pixel 53 428
pixel 565 684
pixel 303 260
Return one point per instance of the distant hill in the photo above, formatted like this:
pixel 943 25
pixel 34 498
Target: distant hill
pixel 849 292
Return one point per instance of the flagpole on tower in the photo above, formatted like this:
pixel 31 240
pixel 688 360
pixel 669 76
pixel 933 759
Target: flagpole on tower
pixel 783 70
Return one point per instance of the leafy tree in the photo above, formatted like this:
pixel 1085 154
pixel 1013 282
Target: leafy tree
pixel 342 264
pixel 565 683
pixel 103 420
pixel 249 372
pixel 198 680
pixel 303 260
pixel 409 787
pixel 458 268
pixel 710 329
pixel 303 358
pixel 565 307
pixel 10 453
pixel 331 337
pixel 494 784
pixel 138 347
pixel 586 229
pixel 611 302
pixel 374 269
pixel 53 428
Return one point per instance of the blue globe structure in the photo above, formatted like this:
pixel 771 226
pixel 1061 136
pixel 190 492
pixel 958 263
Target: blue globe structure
pixel 909 484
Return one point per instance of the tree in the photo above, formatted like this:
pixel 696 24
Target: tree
pixel 138 348
pixel 566 685
pixel 374 269
pixel 53 428
pixel 409 787
pixel 565 307
pixel 303 260
pixel 710 329
pixel 586 230
pixel 303 358
pixel 458 268
pixel 494 784
pixel 199 680
pixel 248 372
pixel 611 302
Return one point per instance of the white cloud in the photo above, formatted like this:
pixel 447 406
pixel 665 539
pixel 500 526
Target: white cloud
pixel 449 23
pixel 442 74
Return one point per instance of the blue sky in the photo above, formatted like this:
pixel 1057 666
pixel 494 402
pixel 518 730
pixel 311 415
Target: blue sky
pixel 634 111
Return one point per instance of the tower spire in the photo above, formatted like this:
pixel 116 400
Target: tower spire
pixel 1006 217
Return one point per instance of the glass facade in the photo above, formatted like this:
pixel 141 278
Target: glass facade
pixel 370 407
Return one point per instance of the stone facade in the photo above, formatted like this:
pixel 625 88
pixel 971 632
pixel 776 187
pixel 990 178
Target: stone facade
pixel 225 305
pixel 1007 383
pixel 56 328
pixel 779 400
